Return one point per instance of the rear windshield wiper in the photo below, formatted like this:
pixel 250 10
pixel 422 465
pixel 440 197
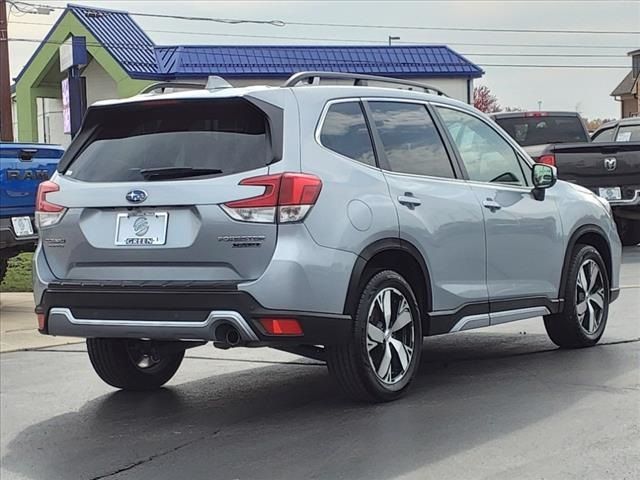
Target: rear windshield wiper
pixel 176 172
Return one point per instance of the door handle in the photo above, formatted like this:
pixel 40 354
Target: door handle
pixel 408 200
pixel 491 205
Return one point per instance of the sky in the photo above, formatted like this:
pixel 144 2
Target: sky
pixel 583 89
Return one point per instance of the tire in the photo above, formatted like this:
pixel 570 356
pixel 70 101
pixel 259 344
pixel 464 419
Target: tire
pixel 583 320
pixel 4 265
pixel 355 365
pixel 121 363
pixel 629 232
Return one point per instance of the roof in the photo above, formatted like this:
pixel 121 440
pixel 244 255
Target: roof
pixel 283 60
pixel 318 93
pixel 626 85
pixel 141 58
pixel 121 35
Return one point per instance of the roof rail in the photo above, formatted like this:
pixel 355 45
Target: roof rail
pixel 163 85
pixel 213 83
pixel 313 78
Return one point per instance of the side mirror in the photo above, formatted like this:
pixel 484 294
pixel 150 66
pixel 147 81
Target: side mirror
pixel 543 176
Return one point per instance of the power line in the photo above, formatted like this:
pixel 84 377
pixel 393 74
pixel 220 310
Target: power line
pixel 350 62
pixel 361 40
pixel 463 29
pixel 280 23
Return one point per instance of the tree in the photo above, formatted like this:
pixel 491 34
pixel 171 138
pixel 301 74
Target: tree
pixel 484 100
pixel 594 123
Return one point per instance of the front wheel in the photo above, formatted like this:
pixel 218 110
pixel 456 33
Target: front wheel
pixel 382 357
pixel 132 364
pixel 586 304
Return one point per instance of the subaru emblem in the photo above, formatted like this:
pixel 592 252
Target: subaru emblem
pixel 610 163
pixel 136 196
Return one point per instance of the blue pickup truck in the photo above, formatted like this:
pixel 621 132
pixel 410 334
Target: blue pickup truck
pixel 22 167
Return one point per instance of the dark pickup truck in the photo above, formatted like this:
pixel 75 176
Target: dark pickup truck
pixel 22 168
pixel 611 169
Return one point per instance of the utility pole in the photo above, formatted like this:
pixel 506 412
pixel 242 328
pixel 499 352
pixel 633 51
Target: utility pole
pixel 6 119
pixel 392 38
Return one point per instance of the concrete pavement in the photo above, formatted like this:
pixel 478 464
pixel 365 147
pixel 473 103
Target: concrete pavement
pixel 495 403
pixel 19 326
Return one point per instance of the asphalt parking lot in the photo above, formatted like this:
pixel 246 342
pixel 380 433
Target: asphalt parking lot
pixel 495 403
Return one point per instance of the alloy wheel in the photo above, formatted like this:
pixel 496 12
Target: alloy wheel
pixel 590 296
pixel 390 335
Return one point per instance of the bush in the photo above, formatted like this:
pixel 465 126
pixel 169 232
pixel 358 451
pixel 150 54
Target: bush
pixel 18 277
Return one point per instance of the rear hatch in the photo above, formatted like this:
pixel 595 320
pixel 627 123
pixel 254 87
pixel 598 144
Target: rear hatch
pixel 143 184
pixel 22 168
pixel 601 166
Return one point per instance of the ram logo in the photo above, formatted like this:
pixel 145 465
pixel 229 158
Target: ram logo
pixel 610 163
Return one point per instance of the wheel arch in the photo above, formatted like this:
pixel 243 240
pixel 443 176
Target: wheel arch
pixel 398 255
pixel 588 235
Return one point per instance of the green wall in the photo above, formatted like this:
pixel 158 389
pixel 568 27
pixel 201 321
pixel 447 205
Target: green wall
pixel 36 80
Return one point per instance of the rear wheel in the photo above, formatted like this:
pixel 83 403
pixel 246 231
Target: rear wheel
pixel 132 364
pixel 382 357
pixel 586 304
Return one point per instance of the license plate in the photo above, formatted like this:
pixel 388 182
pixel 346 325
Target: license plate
pixel 22 226
pixel 610 193
pixel 141 229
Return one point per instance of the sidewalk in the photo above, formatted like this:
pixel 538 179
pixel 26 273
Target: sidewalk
pixel 18 325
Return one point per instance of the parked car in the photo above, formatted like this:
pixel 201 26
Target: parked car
pixel 339 222
pixel 535 131
pixel 609 165
pixel 22 167
pixel 625 130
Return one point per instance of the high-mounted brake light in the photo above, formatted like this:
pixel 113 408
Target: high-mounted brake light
pixel 47 213
pixel 536 114
pixel 549 159
pixel 287 198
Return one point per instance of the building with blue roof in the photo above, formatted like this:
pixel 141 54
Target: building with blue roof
pixel 122 60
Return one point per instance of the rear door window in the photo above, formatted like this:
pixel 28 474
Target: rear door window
pixel 411 141
pixel 221 136
pixel 345 132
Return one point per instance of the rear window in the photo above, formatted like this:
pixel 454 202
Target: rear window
pixel 229 135
pixel 544 129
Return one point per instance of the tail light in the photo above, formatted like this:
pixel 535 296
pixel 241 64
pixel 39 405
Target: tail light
pixel 549 159
pixel 287 198
pixel 47 213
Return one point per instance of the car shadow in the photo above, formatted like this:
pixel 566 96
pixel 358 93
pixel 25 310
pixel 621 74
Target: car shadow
pixel 290 421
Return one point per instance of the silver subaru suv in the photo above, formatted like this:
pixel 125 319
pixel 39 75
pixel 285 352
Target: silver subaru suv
pixel 342 222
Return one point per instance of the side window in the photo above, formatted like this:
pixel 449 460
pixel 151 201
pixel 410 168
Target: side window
pixel 604 135
pixel 345 131
pixel 628 133
pixel 486 155
pixel 410 139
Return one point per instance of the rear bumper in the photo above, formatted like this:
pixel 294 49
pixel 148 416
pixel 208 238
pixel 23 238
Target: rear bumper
pixel 191 312
pixel 9 241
